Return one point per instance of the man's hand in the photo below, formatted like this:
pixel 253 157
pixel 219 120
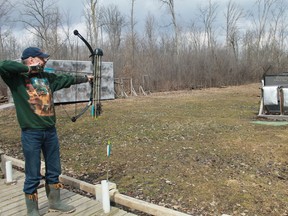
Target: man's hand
pixel 35 69
pixel 90 78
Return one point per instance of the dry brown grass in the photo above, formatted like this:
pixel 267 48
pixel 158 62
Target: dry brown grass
pixel 194 151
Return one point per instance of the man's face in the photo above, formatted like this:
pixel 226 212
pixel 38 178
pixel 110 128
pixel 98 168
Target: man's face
pixel 37 61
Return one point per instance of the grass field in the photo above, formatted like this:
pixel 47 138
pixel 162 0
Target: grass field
pixel 195 151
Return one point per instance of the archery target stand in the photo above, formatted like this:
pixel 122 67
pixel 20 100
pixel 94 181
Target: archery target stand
pixel 82 91
pixel 274 97
pixel 124 87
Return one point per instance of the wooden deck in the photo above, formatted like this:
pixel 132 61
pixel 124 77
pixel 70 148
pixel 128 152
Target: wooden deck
pixel 12 201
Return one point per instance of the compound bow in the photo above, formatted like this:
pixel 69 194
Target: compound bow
pixel 95 94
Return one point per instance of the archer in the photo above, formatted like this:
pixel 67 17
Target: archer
pixel 32 90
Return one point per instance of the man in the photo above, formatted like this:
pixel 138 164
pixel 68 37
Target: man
pixel 32 91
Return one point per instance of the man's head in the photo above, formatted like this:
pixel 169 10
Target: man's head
pixel 34 55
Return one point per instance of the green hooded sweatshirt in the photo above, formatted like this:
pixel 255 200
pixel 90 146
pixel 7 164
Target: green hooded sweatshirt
pixel 33 93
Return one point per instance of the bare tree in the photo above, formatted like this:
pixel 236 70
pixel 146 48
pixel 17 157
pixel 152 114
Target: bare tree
pixel 149 59
pixel 257 40
pixel 128 53
pixel 5 33
pixel 150 31
pixel 132 33
pixel 92 21
pixel 113 22
pixel 42 19
pixel 233 14
pixel 208 15
pixel 68 44
pixel 195 37
pixel 171 8
pixel 5 8
pixel 8 42
pixel 261 19
pixel 277 35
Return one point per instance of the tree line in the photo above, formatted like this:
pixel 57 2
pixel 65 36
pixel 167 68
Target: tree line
pixel 197 54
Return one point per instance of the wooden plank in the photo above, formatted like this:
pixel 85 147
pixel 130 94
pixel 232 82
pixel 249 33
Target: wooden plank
pixel 129 214
pixel 12 200
pixel 15 162
pixel 10 189
pixel 11 194
pixel 143 206
pixel 15 205
pixel 120 212
pixel 79 200
pixel 113 211
pixel 20 208
pixel 8 200
pixel 68 200
pixel 20 163
pixel 42 201
pixel 90 188
pixel 19 181
pixel 87 206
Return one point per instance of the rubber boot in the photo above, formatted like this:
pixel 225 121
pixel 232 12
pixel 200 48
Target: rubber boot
pixel 55 204
pixel 32 204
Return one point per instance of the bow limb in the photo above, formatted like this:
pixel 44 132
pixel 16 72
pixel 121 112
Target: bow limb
pixel 85 41
pixel 90 102
pixel 74 118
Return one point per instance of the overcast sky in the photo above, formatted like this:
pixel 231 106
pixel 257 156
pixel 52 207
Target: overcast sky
pixel 186 10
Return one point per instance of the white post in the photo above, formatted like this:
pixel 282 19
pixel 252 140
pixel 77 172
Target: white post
pixel 9 178
pixel 105 196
